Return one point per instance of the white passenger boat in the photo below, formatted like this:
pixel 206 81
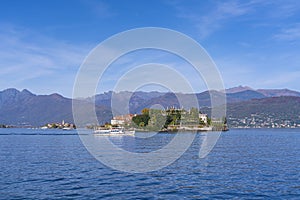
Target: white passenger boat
pixel 113 132
pixel 102 131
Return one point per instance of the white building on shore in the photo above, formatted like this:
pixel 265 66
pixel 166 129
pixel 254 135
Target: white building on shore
pixel 203 117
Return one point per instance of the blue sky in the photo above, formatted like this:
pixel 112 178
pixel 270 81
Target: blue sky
pixel 43 43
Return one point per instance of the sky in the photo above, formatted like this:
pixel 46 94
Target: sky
pixel 253 43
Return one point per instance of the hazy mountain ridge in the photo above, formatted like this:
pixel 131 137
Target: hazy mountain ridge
pixel 282 111
pixel 278 92
pixel 244 95
pixel 265 92
pixel 26 108
pixel 238 89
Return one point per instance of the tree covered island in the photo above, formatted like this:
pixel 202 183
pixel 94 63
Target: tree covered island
pixel 175 119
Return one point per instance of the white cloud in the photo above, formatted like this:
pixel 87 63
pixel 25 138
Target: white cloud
pixel 279 79
pixel 26 55
pixel 290 33
pixel 100 9
pixel 208 22
pixel 279 9
pixel 210 19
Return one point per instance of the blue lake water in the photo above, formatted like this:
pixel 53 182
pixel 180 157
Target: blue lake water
pixel 245 164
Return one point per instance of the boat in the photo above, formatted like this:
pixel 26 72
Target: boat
pixel 130 132
pixel 114 132
pixel 102 131
pixel 117 131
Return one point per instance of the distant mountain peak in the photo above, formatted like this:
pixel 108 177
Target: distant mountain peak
pixel 56 96
pixel 11 90
pixel 27 92
pixel 9 93
pixel 238 89
pixel 278 92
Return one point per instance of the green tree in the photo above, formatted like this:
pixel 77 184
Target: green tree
pixel 209 121
pixel 141 118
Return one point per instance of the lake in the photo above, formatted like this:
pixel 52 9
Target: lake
pixel 244 164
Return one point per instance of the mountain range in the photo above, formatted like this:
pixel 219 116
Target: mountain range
pixel 23 108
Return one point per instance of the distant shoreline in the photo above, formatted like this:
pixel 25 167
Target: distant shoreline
pixel 162 131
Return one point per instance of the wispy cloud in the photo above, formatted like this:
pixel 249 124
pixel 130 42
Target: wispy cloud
pixel 280 8
pixel 26 55
pixel 218 17
pixel 213 19
pixel 289 33
pixel 279 79
pixel 100 8
pixel 210 19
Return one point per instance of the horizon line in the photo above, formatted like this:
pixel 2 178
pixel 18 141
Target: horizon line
pixel 244 88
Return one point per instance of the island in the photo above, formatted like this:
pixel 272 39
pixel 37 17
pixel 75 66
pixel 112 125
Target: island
pixel 6 126
pixel 168 120
pixel 63 125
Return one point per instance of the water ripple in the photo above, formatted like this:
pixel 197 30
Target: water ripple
pixel 245 164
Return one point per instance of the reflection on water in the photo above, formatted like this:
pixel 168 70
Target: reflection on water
pixel 245 164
